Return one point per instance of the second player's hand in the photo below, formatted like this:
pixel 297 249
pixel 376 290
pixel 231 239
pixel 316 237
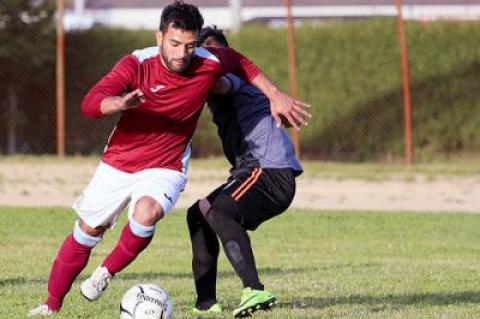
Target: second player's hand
pixel 113 104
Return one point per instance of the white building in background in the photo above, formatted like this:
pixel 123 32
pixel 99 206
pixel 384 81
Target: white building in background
pixel 145 14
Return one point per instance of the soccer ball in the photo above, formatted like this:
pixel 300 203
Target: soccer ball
pixel 146 301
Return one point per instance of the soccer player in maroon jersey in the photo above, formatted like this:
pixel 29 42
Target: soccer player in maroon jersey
pixel 160 92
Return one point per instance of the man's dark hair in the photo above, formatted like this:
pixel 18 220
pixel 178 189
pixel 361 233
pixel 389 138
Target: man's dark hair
pixel 184 16
pixel 212 31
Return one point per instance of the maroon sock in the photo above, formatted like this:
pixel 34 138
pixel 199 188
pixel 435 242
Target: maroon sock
pixel 129 246
pixel 71 259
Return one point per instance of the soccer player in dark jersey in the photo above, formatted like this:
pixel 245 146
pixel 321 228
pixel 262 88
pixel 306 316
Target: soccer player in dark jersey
pixel 160 92
pixel 261 186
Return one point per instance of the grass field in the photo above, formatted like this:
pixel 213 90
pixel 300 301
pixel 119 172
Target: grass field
pixel 320 264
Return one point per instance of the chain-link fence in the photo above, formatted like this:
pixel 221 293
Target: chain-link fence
pixel 348 70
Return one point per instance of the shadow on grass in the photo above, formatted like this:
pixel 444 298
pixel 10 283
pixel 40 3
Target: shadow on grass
pixel 151 276
pixel 380 303
pixel 18 281
pixel 221 274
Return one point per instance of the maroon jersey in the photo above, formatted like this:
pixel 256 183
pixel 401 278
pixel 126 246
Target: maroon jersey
pixel 157 134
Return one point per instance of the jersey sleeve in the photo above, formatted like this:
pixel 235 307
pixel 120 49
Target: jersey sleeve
pixel 119 80
pixel 235 82
pixel 236 63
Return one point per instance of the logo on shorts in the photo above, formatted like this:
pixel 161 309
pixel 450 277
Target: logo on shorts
pixel 168 197
pixel 229 184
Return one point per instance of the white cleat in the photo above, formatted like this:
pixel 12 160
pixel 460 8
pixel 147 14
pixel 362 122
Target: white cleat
pixel 93 287
pixel 41 310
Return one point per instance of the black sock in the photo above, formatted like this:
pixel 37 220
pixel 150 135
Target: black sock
pixel 223 219
pixel 205 249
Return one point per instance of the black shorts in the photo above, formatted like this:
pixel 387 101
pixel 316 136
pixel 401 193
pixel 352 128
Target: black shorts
pixel 256 194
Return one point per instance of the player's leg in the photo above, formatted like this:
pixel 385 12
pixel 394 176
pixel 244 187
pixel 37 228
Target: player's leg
pixel 97 208
pixel 224 218
pixel 246 205
pixel 226 221
pixel 136 235
pixel 269 197
pixel 205 250
pixel 70 261
pixel 153 196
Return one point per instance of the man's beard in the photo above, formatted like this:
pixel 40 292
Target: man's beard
pixel 172 67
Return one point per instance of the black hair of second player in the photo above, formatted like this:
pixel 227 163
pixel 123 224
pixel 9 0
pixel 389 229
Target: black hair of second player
pixel 214 32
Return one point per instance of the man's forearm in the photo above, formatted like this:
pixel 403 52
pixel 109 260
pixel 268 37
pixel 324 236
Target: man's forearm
pixel 114 104
pixel 110 104
pixel 263 83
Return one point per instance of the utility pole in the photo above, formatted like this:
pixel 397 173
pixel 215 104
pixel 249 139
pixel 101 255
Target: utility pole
pixel 60 79
pixel 407 105
pixel 292 69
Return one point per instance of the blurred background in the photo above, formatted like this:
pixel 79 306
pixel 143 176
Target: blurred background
pixel 347 64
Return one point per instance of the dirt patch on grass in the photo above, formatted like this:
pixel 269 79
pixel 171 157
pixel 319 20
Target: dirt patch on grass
pixel 33 183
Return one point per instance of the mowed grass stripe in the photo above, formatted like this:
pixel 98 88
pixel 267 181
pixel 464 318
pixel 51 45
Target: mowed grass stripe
pixel 320 264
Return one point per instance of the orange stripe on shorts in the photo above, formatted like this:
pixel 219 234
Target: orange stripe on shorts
pixel 252 176
pixel 239 192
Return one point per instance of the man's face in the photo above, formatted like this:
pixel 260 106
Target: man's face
pixel 212 42
pixel 176 48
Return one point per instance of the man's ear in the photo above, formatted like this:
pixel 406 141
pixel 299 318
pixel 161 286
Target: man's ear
pixel 159 36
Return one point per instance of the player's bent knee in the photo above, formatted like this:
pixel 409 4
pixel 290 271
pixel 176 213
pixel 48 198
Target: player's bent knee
pixel 196 212
pixel 83 238
pixel 142 230
pixel 204 206
pixel 147 211
pixel 91 231
pixel 222 208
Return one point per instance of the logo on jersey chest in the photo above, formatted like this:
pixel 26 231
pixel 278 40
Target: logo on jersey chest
pixel 157 88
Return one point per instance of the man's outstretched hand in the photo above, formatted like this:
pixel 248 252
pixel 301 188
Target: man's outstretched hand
pixel 113 104
pixel 288 111
pixel 285 109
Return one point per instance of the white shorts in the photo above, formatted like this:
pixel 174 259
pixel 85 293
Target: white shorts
pixel 111 190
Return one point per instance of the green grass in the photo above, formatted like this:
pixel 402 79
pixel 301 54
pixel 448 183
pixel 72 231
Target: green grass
pixel 320 264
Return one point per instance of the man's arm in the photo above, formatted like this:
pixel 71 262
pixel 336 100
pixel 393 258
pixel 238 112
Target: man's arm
pixel 230 83
pixel 114 104
pixel 111 94
pixel 282 106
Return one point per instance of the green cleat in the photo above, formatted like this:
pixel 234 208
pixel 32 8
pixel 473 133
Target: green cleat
pixel 212 312
pixel 253 300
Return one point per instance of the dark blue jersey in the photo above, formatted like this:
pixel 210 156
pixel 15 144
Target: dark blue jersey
pixel 248 132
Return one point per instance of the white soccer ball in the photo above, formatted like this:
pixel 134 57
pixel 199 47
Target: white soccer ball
pixel 146 301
